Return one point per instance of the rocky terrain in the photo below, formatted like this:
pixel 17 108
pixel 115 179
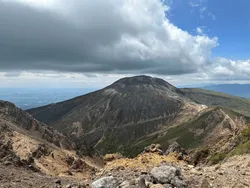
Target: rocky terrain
pixel 197 144
pixel 150 169
pixel 34 155
pixel 27 159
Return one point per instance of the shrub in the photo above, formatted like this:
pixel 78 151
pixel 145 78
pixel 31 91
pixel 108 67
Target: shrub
pixel 217 157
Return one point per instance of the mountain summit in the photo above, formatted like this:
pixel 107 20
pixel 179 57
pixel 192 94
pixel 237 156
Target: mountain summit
pixel 118 114
pixel 141 80
pixel 144 83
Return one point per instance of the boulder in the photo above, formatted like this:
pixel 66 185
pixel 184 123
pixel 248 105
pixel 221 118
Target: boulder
pixel 105 182
pixel 154 148
pixel 168 175
pixel 111 157
pixel 175 147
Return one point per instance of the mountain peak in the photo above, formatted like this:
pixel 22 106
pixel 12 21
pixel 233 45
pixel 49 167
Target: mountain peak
pixel 141 80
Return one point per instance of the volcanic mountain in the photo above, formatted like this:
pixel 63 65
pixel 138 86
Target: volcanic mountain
pixel 118 114
pixel 134 112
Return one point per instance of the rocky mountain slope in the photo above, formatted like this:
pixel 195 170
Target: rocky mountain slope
pixel 30 147
pixel 207 128
pixel 111 118
pixel 22 122
pixel 137 111
pixel 216 140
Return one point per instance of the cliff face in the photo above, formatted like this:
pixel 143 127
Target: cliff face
pixel 33 146
pixel 24 122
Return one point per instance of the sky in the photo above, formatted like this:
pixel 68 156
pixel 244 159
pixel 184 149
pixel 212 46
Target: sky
pixel 92 43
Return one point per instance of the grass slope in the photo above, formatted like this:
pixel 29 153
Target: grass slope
pixel 190 134
pixel 211 98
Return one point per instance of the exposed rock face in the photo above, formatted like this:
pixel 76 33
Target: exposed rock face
pixel 114 117
pixel 154 148
pixel 175 147
pixel 21 119
pixel 105 182
pixel 33 146
pixel 11 113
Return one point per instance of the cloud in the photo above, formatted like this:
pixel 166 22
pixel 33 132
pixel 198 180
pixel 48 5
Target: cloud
pixel 199 30
pixel 12 74
pixel 223 69
pixel 201 7
pixel 193 4
pixel 112 36
pixel 210 14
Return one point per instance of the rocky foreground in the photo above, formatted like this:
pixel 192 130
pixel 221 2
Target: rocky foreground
pixel 151 169
pixel 35 155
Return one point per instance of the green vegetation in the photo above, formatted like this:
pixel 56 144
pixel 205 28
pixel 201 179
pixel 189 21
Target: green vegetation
pixel 246 132
pixel 217 157
pixel 132 151
pixel 244 143
pixel 242 149
pixel 212 98
pixel 185 134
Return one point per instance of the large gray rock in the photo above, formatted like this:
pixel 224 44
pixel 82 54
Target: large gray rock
pixel 168 175
pixel 105 182
pixel 164 174
pixel 175 147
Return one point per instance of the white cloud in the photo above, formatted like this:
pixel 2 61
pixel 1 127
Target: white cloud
pixel 210 14
pixel 227 69
pixel 201 7
pixel 118 36
pixel 92 42
pixel 199 30
pixel 193 4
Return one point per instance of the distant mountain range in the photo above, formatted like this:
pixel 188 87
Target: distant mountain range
pixel 241 90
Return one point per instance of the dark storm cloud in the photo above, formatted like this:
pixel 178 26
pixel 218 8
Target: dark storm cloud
pixel 96 37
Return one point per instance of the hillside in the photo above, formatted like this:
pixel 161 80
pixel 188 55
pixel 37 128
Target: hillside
pixel 205 129
pixel 27 159
pixel 212 98
pixel 111 118
pixel 30 147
